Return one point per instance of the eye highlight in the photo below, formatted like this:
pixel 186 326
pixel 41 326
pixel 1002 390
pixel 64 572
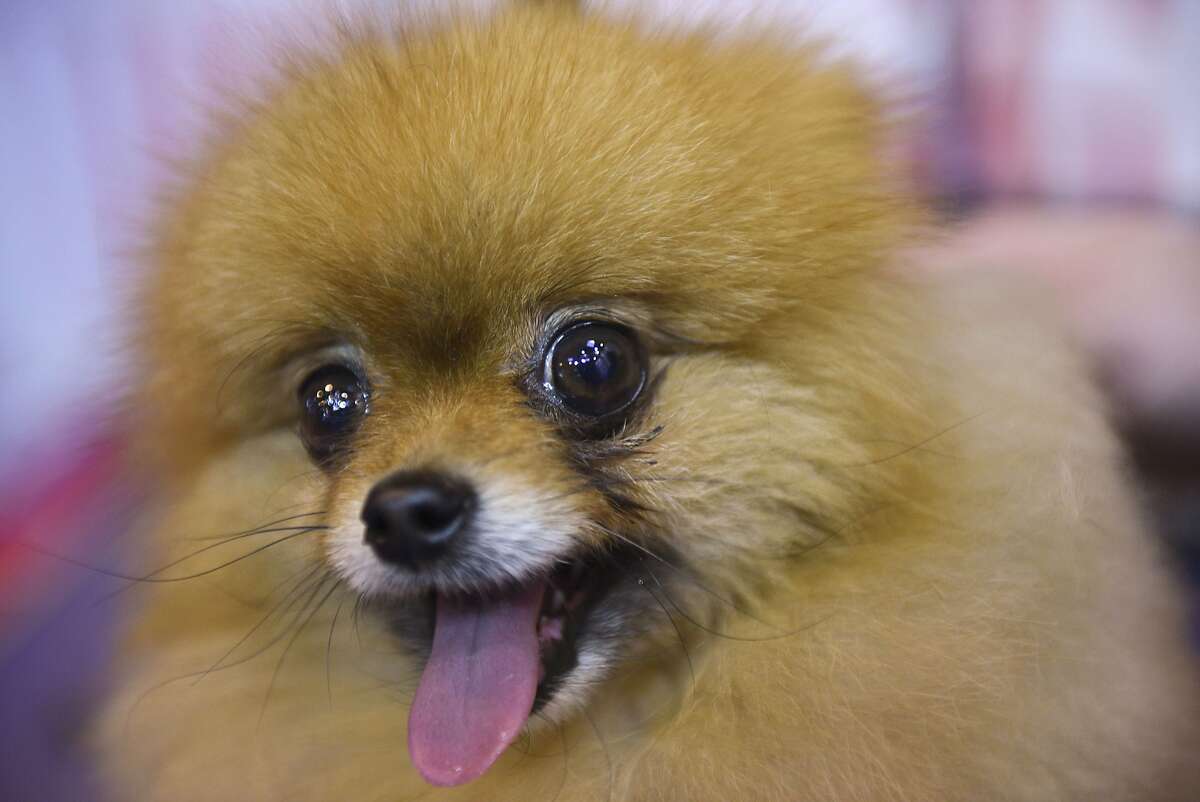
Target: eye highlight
pixel 594 369
pixel 333 400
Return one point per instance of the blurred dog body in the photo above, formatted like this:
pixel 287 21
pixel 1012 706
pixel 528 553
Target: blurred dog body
pixel 835 533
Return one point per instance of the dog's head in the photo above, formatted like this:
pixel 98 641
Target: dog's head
pixel 566 318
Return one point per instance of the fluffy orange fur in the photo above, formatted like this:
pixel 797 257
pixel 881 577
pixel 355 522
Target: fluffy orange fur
pixel 917 571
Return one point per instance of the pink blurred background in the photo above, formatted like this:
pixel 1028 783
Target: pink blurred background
pixel 1061 138
pixel 1089 102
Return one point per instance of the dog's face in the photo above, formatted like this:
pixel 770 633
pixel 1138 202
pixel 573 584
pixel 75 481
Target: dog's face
pixel 552 309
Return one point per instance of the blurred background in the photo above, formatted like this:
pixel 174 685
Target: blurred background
pixel 1057 138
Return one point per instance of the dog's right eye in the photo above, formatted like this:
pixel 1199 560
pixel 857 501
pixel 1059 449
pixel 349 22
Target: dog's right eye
pixel 595 369
pixel 334 400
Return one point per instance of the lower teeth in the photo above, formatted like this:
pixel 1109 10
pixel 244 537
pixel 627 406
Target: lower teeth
pixel 550 628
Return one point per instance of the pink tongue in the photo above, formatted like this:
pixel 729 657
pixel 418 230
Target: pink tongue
pixel 477 688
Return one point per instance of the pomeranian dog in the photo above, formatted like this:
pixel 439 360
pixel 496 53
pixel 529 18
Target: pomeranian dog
pixel 537 417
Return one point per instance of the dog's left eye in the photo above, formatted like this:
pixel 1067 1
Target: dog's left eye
pixel 334 401
pixel 595 369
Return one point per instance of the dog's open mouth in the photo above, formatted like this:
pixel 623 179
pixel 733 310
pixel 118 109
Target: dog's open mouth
pixel 497 656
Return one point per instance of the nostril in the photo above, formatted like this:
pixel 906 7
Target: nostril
pixel 437 515
pixel 414 517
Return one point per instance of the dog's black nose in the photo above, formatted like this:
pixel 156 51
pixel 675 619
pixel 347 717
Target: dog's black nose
pixel 413 517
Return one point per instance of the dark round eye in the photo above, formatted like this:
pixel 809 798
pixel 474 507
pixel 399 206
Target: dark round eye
pixel 333 401
pixel 595 369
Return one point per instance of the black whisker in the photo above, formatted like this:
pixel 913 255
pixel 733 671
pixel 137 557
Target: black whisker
pixel 151 578
pixel 562 735
pixel 259 528
pixel 726 635
pixel 604 745
pixel 262 343
pixel 678 632
pixel 299 629
pixel 250 533
pixel 198 552
pixel 919 445
pixel 525 744
pixel 358 601
pixel 329 650
pixel 217 666
pixel 689 575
